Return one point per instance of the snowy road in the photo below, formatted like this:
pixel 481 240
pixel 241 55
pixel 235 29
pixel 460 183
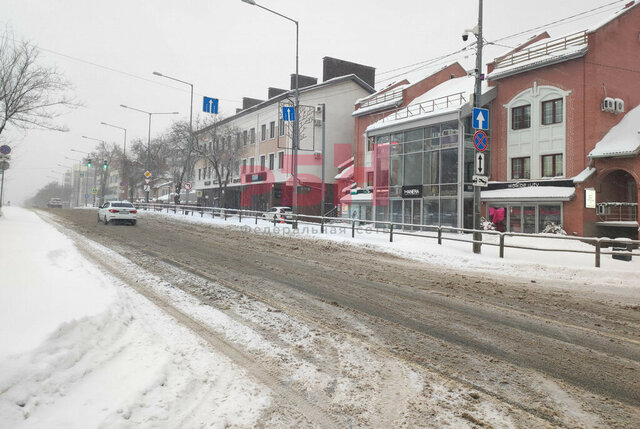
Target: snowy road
pixel 338 336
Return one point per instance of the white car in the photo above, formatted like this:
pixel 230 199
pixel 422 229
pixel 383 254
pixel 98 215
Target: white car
pixel 280 214
pixel 117 211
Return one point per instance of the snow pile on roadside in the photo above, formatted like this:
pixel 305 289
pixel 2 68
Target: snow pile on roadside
pixel 80 349
pixel 575 268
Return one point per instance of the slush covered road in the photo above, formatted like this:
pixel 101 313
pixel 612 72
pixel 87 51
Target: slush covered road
pixel 363 338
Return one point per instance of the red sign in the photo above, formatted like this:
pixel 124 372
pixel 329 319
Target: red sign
pixel 480 141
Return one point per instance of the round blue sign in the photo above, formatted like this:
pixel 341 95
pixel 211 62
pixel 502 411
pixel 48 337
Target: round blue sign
pixel 480 141
pixel 5 150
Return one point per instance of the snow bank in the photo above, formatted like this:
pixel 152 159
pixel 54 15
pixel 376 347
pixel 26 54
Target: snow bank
pixel 80 349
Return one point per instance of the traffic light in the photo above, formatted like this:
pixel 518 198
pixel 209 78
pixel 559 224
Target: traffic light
pixel 105 164
pixel 89 163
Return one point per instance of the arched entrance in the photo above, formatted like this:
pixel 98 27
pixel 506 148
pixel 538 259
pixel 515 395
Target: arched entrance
pixel 617 205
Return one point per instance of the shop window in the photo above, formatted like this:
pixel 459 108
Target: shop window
pixel 412 169
pixel 520 168
pixel 449 166
pixel 552 165
pixel 431 212
pixel 396 173
pixel 413 141
pixel 431 168
pixel 449 212
pixel 515 219
pixel 498 215
pixel 552 112
pixel 548 214
pixel 449 134
pixel 521 117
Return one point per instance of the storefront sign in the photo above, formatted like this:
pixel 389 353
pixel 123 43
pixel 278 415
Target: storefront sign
pixel 413 191
pixel 590 198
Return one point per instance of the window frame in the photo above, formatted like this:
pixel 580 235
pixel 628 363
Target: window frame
pixel 523 124
pixel 272 161
pixel 272 129
pixel 554 113
pixel 281 127
pixel 525 174
pixel 554 165
pixel 263 132
pixel 280 159
pixel 263 162
pixel 252 136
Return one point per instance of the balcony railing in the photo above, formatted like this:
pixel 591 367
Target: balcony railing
pixel 617 212
pixel 381 98
pixel 454 100
pixel 553 47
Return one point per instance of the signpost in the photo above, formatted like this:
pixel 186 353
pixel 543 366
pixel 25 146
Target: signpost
pixel 188 186
pixel 480 170
pixel 5 149
pixel 480 141
pixel 210 105
pixel 482 181
pixel 480 118
pixel 288 113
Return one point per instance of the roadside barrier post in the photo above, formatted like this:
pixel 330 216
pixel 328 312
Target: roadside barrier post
pixel 502 245
pixel 353 228
pixel 391 233
pixel 239 216
pixel 598 253
pixel 256 218
pixel 322 225
pixel 439 235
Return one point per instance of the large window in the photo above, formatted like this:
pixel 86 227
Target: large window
pixel 272 129
pixel 262 162
pixel 521 117
pixel 552 165
pixel 271 161
pixel 521 168
pixel 263 132
pixel 244 137
pixel 252 135
pixel 281 127
pixel 552 112
pixel 281 159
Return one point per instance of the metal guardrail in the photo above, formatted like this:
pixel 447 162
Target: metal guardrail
pixel 622 248
pixel 381 98
pixel 542 50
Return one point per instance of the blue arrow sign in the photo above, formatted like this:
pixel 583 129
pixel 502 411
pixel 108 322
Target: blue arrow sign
pixel 480 118
pixel 288 114
pixel 210 105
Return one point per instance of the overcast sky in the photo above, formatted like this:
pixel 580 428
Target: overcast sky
pixel 229 50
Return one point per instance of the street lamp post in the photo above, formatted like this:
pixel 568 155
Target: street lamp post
pixel 296 124
pixel 124 156
pixel 95 170
pixel 148 166
pixel 477 237
pixel 190 127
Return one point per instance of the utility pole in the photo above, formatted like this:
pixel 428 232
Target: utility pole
pixel 477 236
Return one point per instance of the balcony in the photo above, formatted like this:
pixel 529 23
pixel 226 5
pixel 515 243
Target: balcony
pixel 620 213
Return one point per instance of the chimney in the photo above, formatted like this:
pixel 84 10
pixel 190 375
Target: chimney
pixel 303 81
pixel 333 67
pixel 274 92
pixel 249 102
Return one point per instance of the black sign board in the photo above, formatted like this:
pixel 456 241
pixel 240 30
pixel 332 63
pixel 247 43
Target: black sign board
pixel 413 191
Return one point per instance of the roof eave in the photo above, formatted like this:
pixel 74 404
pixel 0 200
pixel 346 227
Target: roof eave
pixel 497 75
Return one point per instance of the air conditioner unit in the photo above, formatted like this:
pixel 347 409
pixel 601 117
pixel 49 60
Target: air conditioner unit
pixel 608 105
pixel 619 105
pixel 317 155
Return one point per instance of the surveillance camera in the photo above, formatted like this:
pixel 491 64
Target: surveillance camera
pixel 465 36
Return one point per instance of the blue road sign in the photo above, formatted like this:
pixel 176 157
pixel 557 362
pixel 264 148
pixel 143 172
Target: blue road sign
pixel 5 149
pixel 210 105
pixel 288 114
pixel 480 141
pixel 480 118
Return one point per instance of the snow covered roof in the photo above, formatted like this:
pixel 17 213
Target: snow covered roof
pixel 347 173
pixel 540 54
pixel 616 15
pixel 621 140
pixel 345 164
pixel 531 193
pixel 449 96
pixel 584 175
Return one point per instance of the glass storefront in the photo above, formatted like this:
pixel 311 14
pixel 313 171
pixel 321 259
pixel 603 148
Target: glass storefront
pixel 529 218
pixel 435 157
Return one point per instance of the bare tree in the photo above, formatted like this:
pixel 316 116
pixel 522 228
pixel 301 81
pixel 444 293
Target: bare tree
pixel 174 148
pixel 30 94
pixel 220 147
